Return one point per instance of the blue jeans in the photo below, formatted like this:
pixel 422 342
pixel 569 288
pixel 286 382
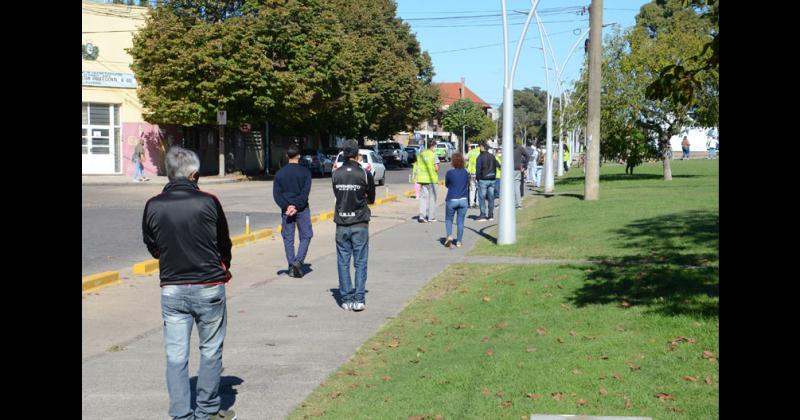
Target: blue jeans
pixel 497 189
pixel 712 153
pixel 138 169
pixel 181 307
pixel 685 154
pixel 459 206
pixel 303 222
pixel 352 241
pixel 486 192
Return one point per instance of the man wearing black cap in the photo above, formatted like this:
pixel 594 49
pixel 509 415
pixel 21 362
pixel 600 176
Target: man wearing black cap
pixel 354 188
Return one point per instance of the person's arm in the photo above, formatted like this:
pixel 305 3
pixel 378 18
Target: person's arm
pixel 448 179
pixel 305 191
pixel 148 235
pixel 223 236
pixel 478 165
pixel 278 194
pixel 370 188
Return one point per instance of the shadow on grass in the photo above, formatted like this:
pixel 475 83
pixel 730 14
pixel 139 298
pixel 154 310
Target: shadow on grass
pixel 621 177
pixel 674 272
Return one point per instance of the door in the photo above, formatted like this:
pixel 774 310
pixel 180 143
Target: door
pixel 100 138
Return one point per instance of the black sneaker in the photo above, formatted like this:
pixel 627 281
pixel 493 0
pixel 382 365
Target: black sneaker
pixel 290 271
pixel 297 269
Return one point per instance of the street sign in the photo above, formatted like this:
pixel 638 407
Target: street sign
pixel 222 117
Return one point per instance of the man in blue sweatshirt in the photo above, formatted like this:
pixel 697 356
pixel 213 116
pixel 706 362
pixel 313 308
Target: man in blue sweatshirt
pixel 290 190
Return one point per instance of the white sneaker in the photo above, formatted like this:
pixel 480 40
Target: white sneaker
pixel 347 306
pixel 358 306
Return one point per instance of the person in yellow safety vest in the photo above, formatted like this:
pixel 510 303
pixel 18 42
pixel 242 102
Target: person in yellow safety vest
pixel 427 174
pixel 499 157
pixel 566 158
pixel 472 158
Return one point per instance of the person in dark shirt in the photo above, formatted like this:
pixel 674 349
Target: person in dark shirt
pixel 290 190
pixel 486 168
pixel 457 182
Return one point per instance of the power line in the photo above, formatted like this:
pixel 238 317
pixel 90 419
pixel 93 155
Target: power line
pixel 494 45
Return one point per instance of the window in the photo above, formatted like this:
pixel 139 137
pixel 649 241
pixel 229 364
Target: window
pixel 100 131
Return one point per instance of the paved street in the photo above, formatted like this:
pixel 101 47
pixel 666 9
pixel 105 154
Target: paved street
pixel 111 236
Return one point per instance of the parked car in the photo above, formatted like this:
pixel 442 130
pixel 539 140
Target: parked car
pixel 411 151
pixel 392 153
pixel 331 153
pixel 444 151
pixel 316 162
pixel 370 161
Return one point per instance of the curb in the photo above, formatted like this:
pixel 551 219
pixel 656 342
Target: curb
pixel 144 268
pixel 98 281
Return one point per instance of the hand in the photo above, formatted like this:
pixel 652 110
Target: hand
pixel 291 210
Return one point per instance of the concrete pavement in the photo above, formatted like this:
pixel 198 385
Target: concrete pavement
pixel 285 335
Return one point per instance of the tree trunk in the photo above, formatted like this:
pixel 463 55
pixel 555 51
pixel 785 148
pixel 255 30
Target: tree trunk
pixel 665 152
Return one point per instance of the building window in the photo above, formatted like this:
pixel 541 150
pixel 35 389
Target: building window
pixel 100 131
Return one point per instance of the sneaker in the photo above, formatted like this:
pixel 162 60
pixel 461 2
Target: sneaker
pixel 347 306
pixel 422 220
pixel 491 218
pixel 432 220
pixel 223 415
pixel 298 270
pixel 290 271
pixel 458 244
pixel 358 306
pixel 481 219
pixel 448 242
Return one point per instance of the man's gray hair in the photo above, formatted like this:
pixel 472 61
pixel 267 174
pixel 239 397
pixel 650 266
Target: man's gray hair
pixel 181 163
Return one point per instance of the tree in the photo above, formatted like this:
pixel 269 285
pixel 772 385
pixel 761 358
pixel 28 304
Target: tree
pixel 530 112
pixel 463 113
pixel 347 67
pixel 488 130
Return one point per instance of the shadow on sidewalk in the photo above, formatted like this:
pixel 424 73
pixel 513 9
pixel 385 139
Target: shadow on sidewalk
pixel 483 234
pixel 226 391
pixel 306 270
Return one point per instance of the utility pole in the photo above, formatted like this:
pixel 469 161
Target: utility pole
pixel 592 180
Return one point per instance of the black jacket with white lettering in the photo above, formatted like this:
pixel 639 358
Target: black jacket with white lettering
pixel 354 188
pixel 186 229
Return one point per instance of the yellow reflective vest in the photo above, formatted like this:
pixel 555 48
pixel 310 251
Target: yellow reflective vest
pixel 472 159
pixel 426 168
pixel 499 162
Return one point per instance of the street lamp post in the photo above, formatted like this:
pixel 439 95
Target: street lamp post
pixel 507 232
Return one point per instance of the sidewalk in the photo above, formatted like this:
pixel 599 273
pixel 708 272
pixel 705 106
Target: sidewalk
pixel 285 335
pixel 95 180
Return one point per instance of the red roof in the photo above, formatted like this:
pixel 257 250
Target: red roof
pixel 449 94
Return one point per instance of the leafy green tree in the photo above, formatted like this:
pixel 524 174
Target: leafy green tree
pixel 488 130
pixel 463 113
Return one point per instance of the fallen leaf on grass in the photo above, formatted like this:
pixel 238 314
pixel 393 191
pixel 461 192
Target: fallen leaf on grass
pixel 541 331
pixel 485 391
pixel 376 347
pixel 564 306
pixel 603 391
pixel 487 299
pixel 710 356
pixel 633 366
pixel 625 304
pixel 485 339
pixel 460 326
pixel 489 352
pixel 560 286
pixel 335 395
pixel 620 328
pixel 690 378
pixel 499 393
pixel 506 404
pixel 708 380
pixel 501 325
pixel 394 344
pixel 386 378
pixel 604 357
pixel 663 396
pixel 430 334
pixel 616 376
pixel 534 396
pixel 560 340
pixel 558 396
pixel 628 403
pixel 547 295
pixel 603 376
pixel 573 333
pixel 576 371
pixel 318 413
pixel 531 349
pixel 581 402
pixel 588 338
pixel 421 349
pixel 435 321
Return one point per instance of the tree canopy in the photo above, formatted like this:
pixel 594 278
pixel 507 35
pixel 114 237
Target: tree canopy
pixel 463 113
pixel 346 67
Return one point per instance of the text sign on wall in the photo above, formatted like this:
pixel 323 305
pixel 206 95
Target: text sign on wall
pixel 104 79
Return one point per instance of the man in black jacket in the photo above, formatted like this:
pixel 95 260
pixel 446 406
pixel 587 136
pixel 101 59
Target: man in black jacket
pixel 354 189
pixel 290 190
pixel 485 173
pixel 186 229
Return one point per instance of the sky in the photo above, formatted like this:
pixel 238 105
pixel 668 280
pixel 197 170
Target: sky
pixel 442 26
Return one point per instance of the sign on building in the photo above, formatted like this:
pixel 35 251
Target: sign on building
pixel 105 79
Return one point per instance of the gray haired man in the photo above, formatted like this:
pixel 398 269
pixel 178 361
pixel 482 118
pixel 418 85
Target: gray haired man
pixel 186 229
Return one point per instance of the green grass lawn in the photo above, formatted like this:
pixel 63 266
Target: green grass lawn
pixel 634 333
